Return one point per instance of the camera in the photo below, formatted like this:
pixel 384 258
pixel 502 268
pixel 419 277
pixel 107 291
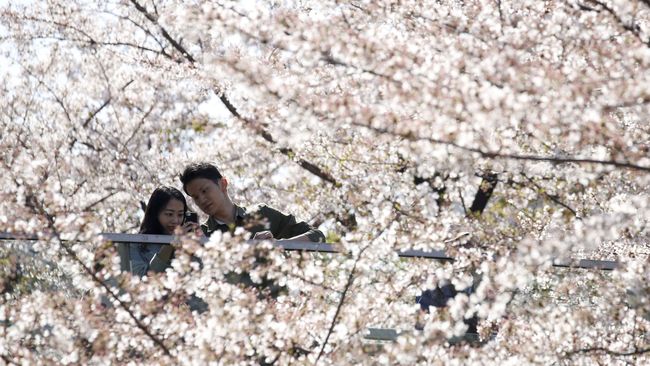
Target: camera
pixel 191 217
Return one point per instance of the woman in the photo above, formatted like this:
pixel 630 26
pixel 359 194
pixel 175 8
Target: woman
pixel 164 213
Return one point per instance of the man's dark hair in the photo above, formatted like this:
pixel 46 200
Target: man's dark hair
pixel 199 170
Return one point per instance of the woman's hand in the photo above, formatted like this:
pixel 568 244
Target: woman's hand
pixel 192 227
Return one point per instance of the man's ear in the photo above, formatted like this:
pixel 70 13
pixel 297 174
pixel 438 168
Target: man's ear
pixel 224 185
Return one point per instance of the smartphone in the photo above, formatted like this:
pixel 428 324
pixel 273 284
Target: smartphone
pixel 191 217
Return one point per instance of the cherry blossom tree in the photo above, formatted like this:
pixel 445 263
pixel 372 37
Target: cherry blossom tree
pixel 507 133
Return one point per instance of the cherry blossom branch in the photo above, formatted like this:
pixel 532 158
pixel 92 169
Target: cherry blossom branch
pixel 347 287
pixel 631 27
pixel 37 208
pixel 104 104
pixel 348 284
pixel 618 164
pixel 59 101
pixel 154 19
pixel 607 351
pixel 8 360
pixel 483 153
pixel 310 167
pixel 497 155
pixel 104 198
pixel 93 43
pixel 95 113
pixel 145 30
pixel 553 198
pixel 462 201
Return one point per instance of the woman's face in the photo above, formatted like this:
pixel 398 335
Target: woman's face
pixel 171 215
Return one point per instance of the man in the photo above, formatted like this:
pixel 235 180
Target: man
pixel 209 190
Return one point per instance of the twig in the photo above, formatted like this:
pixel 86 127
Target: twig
pixel 104 104
pixel 553 198
pixel 348 284
pixel 462 201
pixel 99 201
pixel 137 128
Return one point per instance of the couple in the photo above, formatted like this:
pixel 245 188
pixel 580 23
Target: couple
pixel 166 209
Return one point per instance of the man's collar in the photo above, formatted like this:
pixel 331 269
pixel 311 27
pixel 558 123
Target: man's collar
pixel 240 213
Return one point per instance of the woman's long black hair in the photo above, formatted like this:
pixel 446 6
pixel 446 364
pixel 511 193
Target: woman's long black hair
pixel 159 199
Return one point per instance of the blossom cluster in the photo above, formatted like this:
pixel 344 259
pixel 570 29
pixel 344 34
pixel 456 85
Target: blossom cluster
pixel 508 133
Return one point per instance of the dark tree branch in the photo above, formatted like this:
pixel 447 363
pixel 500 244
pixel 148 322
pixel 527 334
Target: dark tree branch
pixel 154 19
pixel 618 164
pixel 310 167
pixel 496 155
pixel 95 112
pixel 88 145
pixel 631 27
pixel 93 42
pixel 105 43
pixel 319 285
pixel 501 17
pixel 62 25
pixel 627 104
pixel 231 108
pixel 315 170
pixel 587 8
pixel 261 131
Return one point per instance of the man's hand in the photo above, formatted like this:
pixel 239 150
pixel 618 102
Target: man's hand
pixel 264 235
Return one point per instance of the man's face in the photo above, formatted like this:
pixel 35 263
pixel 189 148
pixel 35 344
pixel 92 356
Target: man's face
pixel 209 195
